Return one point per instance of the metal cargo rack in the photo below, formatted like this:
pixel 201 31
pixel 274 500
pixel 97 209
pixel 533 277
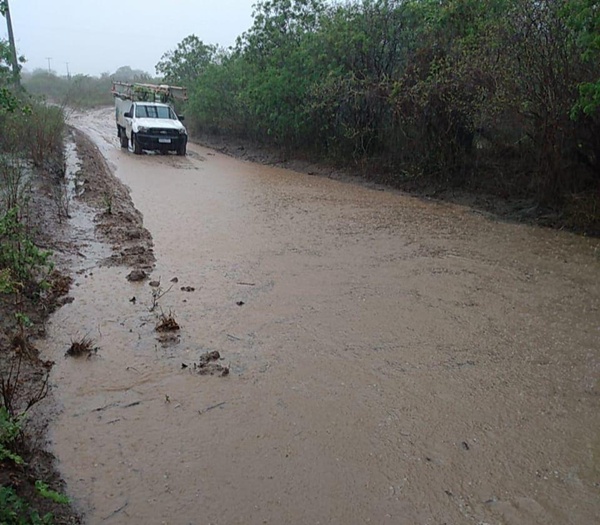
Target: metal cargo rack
pixel 148 92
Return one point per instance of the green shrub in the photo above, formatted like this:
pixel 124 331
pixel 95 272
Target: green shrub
pixel 10 429
pixel 36 132
pixel 18 253
pixel 16 511
pixel 46 492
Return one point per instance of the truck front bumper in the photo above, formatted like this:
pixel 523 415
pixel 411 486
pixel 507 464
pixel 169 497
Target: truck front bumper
pixel 150 141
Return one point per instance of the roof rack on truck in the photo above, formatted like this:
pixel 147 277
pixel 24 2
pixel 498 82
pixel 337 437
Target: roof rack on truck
pixel 148 92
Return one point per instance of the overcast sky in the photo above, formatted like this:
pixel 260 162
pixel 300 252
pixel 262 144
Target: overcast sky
pixel 95 36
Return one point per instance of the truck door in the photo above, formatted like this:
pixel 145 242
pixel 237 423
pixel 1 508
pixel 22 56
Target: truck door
pixel 129 121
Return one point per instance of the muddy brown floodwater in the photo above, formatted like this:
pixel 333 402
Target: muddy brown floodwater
pixel 394 360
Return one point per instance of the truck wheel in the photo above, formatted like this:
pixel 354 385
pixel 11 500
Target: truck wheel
pixel 182 150
pixel 123 137
pixel 137 148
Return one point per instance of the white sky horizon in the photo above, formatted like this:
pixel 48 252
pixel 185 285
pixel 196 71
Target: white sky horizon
pixel 95 37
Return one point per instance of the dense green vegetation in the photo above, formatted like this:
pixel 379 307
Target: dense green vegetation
pixel 498 95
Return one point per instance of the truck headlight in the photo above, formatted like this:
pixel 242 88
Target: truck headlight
pixel 142 129
pixel 182 131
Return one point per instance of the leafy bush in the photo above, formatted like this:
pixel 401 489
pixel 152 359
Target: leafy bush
pixel 37 133
pixel 46 492
pixel 18 253
pixel 10 430
pixel 16 511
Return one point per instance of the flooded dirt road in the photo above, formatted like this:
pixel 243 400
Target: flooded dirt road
pixel 394 360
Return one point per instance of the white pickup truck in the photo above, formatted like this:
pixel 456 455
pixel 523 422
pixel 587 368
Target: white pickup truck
pixel 145 119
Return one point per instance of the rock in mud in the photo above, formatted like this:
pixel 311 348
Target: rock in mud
pixel 154 284
pixel 136 276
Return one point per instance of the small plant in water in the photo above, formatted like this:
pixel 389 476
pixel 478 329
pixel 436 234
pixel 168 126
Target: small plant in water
pixel 85 346
pixel 167 323
pixel 157 295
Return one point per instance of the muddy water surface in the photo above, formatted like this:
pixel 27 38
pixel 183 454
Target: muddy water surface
pixel 395 360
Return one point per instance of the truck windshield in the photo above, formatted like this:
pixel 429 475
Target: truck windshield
pixel 154 112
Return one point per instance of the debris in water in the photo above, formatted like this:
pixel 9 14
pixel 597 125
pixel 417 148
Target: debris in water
pixel 188 289
pixel 84 346
pixel 212 407
pixel 240 303
pixel 175 280
pixel 167 323
pixel 132 300
pixel 137 275
pixel 154 284
pixel 207 365
pixel 168 338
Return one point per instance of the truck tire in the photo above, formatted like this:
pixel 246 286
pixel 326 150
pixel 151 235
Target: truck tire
pixel 123 137
pixel 181 150
pixel 137 148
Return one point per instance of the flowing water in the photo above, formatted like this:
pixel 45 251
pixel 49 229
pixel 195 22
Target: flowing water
pixel 394 360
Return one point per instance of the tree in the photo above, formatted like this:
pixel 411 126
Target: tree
pixel 187 62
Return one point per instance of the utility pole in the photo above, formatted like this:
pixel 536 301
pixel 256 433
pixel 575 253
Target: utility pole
pixel 49 68
pixel 11 40
pixel 68 72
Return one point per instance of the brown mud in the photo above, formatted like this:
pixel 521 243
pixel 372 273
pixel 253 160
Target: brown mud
pixel 390 359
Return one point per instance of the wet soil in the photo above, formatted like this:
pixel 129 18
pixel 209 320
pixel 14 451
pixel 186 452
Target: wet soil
pixel 118 222
pixel 392 360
